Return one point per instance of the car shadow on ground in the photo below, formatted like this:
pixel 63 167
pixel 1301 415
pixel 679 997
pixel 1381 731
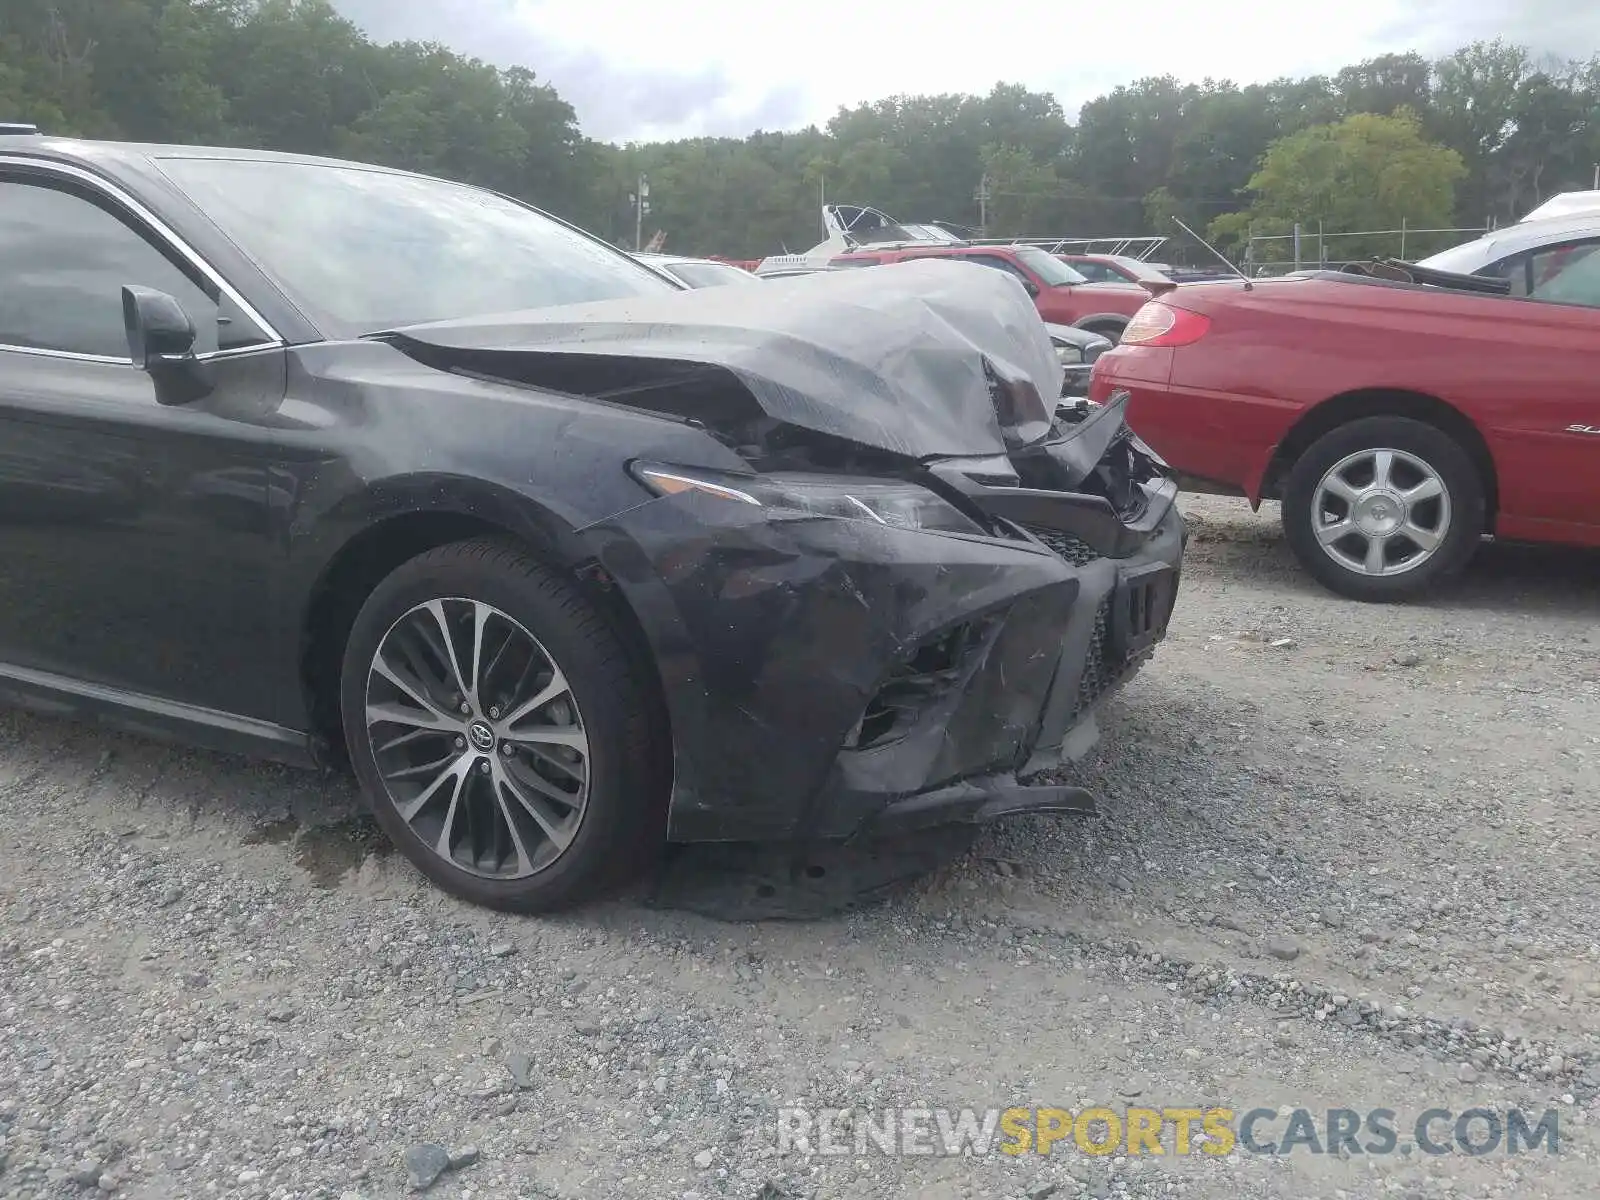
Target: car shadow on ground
pixel 1563 579
pixel 236 810
pixel 1560 580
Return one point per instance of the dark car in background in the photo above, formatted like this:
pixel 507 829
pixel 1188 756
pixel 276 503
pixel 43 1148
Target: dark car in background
pixel 354 466
pixel 1078 350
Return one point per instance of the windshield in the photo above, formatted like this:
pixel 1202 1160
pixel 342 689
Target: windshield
pixel 1463 259
pixel 1047 267
pixel 363 250
pixel 710 274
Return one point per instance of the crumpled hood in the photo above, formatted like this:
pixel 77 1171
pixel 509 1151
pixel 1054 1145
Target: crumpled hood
pixel 925 358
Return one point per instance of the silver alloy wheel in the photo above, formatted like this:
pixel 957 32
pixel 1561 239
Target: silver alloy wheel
pixel 478 738
pixel 1380 512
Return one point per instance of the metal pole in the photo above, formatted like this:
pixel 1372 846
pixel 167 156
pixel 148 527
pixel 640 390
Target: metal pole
pixel 822 203
pixel 1597 177
pixel 1402 239
pixel 639 195
pixel 1297 246
pixel 1322 247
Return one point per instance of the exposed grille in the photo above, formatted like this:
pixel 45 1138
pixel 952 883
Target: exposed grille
pixel 933 669
pixel 1099 671
pixel 1074 549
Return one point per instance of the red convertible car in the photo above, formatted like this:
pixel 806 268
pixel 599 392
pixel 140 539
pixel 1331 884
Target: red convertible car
pixel 1400 411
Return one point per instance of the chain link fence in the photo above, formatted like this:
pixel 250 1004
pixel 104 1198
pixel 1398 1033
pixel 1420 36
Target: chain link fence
pixel 1310 247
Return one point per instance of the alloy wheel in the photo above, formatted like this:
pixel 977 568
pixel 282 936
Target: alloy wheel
pixel 478 738
pixel 1380 512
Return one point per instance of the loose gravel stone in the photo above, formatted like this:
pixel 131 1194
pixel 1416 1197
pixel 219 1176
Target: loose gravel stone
pixel 425 1162
pixel 1283 948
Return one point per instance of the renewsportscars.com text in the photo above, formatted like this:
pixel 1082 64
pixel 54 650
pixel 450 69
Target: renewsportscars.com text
pixel 1167 1131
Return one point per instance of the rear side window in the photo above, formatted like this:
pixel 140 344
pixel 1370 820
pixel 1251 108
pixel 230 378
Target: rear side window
pixel 994 262
pixel 1568 273
pixel 998 263
pixel 63 262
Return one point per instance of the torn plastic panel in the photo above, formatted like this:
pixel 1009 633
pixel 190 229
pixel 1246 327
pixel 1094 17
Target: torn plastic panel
pixel 944 658
pixel 914 360
pixel 1094 480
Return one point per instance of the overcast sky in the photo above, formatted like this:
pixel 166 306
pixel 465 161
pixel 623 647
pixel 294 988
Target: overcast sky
pixel 651 70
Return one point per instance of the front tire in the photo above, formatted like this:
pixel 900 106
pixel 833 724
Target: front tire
pixel 500 730
pixel 1384 508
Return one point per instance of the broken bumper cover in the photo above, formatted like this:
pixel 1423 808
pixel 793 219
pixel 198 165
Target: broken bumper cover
pixel 825 676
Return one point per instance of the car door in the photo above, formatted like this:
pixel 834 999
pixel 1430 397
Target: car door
pixel 135 541
pixel 1553 429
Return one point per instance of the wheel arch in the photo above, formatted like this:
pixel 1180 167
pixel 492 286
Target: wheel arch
pixel 1382 402
pixel 1106 323
pixel 389 526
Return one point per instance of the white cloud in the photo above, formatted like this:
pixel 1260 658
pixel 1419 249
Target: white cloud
pixel 644 70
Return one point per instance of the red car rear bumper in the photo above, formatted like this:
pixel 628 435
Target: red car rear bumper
pixel 1221 437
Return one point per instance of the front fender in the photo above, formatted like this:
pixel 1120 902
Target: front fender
pixel 322 525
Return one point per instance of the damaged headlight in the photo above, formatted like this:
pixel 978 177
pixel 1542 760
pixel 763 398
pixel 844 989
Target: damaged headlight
pixel 884 501
pixel 1069 354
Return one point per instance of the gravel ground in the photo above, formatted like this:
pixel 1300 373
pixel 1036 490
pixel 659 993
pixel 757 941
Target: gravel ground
pixel 1345 861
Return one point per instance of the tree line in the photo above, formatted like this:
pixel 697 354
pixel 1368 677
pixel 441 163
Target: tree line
pixel 1477 137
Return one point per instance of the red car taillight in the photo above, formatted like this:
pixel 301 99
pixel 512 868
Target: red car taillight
pixel 1158 324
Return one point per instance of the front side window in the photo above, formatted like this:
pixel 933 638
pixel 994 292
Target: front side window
pixel 64 260
pixel 364 250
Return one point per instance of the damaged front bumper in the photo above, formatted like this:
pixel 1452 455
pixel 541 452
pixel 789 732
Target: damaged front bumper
pixel 826 676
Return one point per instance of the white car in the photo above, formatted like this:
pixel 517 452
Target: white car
pixel 1549 259
pixel 695 272
pixel 1566 204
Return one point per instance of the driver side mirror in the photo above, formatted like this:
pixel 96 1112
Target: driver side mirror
pixel 1031 288
pixel 161 341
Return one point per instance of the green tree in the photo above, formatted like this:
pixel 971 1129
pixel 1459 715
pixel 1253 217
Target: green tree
pixel 1475 93
pixel 295 75
pixel 1386 84
pixel 1367 172
pixel 1022 191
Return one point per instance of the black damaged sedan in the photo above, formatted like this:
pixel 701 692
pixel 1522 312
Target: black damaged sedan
pixel 341 465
